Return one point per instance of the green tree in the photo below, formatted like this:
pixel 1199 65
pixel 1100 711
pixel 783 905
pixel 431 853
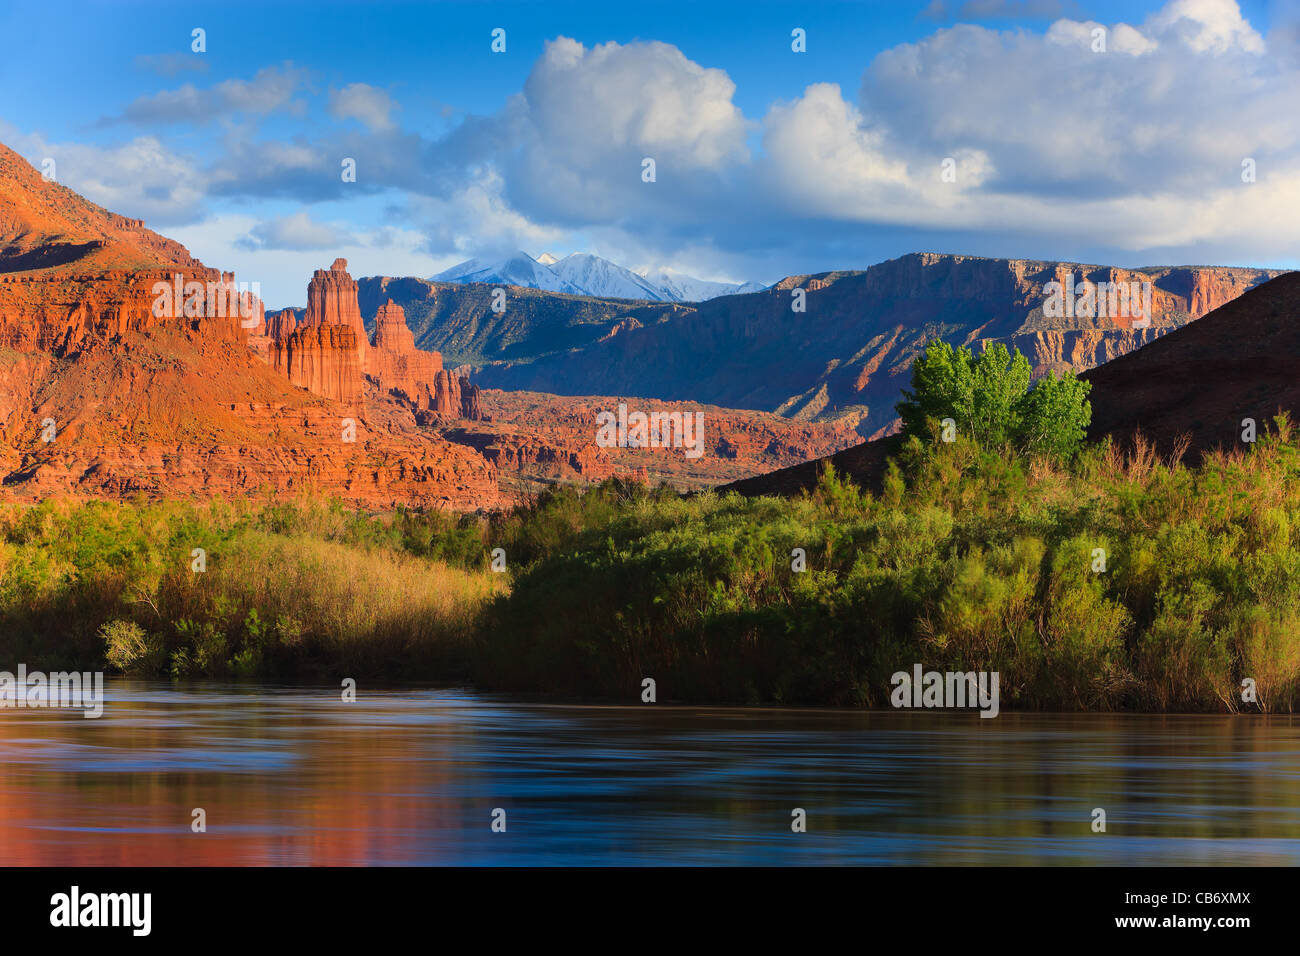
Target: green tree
pixel 1057 415
pixel 990 398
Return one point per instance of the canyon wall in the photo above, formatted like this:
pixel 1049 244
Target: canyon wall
pixel 324 359
pixel 848 354
pixel 128 367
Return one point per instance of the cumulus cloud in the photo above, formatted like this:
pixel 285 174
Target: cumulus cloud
pixel 586 104
pixel 360 101
pixel 1208 26
pixel 1054 149
pixel 1167 113
pixel 282 274
pixel 588 118
pixel 477 220
pixel 823 160
pixel 142 178
pixel 1137 148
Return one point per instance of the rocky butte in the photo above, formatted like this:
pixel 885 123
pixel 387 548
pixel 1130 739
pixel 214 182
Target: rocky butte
pixel 101 395
pixel 328 354
pixel 1214 384
pixel 397 365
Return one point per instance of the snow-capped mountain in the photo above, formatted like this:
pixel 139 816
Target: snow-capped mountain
pixel 585 274
pixel 600 277
pixel 520 269
pixel 683 288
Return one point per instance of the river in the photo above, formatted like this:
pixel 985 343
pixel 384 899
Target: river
pixel 417 776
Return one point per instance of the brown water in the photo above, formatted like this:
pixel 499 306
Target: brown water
pixel 296 776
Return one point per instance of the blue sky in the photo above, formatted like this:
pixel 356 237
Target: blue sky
pixel 768 162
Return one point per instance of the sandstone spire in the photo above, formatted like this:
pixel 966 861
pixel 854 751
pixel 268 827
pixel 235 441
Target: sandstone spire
pixel 397 363
pixel 332 300
pixel 327 353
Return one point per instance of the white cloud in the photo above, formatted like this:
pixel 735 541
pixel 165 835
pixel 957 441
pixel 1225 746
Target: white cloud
pixel 283 273
pixel 1095 38
pixel 142 178
pixel 477 220
pixel 1209 26
pixel 295 232
pixel 1055 146
pixel 360 101
pixel 820 158
pixel 1136 148
pixel 585 105
pixel 270 89
pixel 587 118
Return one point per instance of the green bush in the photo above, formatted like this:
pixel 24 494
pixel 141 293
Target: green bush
pixel 991 401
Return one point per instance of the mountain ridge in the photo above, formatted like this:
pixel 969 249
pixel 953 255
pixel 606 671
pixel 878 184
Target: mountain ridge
pixel 582 273
pixel 848 354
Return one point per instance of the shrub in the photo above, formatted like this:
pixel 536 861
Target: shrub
pixel 129 649
pixel 990 399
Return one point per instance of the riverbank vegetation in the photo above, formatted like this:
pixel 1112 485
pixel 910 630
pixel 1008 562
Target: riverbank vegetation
pixel 274 590
pixel 1116 581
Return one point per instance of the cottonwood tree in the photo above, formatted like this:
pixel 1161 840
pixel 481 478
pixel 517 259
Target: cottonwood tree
pixel 994 401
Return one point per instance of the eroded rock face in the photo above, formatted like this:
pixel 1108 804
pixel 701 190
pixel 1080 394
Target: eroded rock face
pixel 64 313
pixel 455 397
pixel 849 354
pixel 322 359
pixel 332 300
pixel 1190 392
pixel 550 435
pixel 418 376
pixel 280 325
pixel 1201 383
pixel 397 364
pixel 327 352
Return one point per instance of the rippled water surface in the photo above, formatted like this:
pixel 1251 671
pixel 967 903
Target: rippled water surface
pixel 296 776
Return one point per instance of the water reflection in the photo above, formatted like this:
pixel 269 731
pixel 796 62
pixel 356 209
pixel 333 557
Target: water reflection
pixel 295 776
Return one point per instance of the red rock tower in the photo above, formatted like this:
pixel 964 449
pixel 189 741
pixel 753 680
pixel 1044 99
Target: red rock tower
pixel 332 300
pixel 392 334
pixel 321 359
pixel 397 363
pixel 325 354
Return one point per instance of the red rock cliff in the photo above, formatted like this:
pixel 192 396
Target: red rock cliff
pixel 332 300
pixel 396 362
pixel 322 359
pixel 455 397
pixel 326 353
